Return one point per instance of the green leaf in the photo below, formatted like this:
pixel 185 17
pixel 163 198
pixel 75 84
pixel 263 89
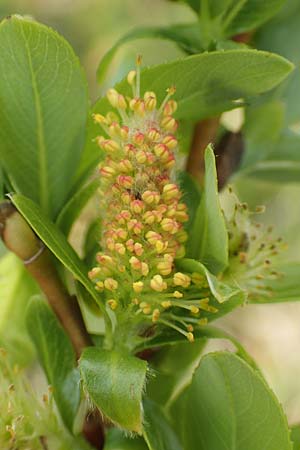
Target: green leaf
pixel 191 195
pixel 194 4
pixel 157 431
pixel 169 378
pixel 56 356
pixel 295 436
pixel 279 164
pixel 245 15
pixel 116 440
pixel 43 111
pixel 73 208
pixel 229 406
pixel 115 383
pixel 16 288
pixel 56 242
pixel 206 85
pixel 186 36
pixel 209 238
pixel 286 288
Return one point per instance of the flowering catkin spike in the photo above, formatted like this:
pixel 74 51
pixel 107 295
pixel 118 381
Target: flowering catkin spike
pixel 142 230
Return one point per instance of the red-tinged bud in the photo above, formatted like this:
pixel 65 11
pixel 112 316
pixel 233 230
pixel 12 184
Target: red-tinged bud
pixel 153 237
pixel 107 172
pixel 170 141
pixel 153 134
pixel 149 217
pixel 137 206
pixel 151 197
pixel 130 245
pixel 169 225
pixel 126 198
pixel 138 249
pixel 141 156
pixel 170 107
pixel 138 106
pixel 150 101
pixel 171 191
pixel 169 124
pixel 138 138
pixel 94 273
pixel 125 181
pixel 115 99
pixel 125 165
pixel 162 152
pixel 129 150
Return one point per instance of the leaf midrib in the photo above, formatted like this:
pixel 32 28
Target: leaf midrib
pixel 42 151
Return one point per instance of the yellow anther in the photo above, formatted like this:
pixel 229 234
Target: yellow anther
pixel 203 321
pixel 125 165
pixel 181 279
pixel 131 77
pixel 98 118
pixel 169 225
pixel 160 246
pixel 135 301
pixel 138 286
pixel 150 197
pixel 190 337
pixel 120 248
pixel 164 267
pixel 155 315
pixel 177 294
pixel 197 278
pixel 144 269
pixel 153 134
pixel 170 141
pixel 99 286
pixel 141 156
pixel 158 284
pixel 137 206
pixel 94 273
pixel 169 123
pixel 138 249
pixel 113 97
pixel 166 304
pixel 111 284
pixel 112 303
pixel 194 309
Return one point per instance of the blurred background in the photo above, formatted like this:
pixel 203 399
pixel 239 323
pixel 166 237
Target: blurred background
pixel 271 333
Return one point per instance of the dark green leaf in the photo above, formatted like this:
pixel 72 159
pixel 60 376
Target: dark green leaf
pixel 208 241
pixel 116 440
pixel 186 36
pixel 73 208
pixel 245 15
pixel 229 406
pixel 191 195
pixel 170 378
pixel 16 288
pixel 56 356
pixel 43 111
pixel 206 85
pixel 55 241
pixel 115 383
pixel 295 436
pixel 157 432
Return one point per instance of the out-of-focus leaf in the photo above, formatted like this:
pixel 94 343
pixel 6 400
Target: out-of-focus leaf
pixel 55 240
pixel 73 208
pixel 229 406
pixel 116 440
pixel 115 382
pixel 186 36
pixel 16 288
pixel 208 240
pixel 206 85
pixel 157 431
pixel 286 288
pixel 280 164
pixel 245 15
pixel 43 111
pixel 56 356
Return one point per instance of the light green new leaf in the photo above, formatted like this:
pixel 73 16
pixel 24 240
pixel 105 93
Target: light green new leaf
pixel 229 406
pixel 56 356
pixel 206 85
pixel 115 383
pixel 73 208
pixel 295 436
pixel 286 288
pixel 208 241
pixel 157 431
pixel 186 36
pixel 55 240
pixel 16 288
pixel 116 440
pixel 245 15
pixel 191 195
pixel 43 111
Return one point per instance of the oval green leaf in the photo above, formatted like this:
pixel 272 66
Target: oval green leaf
pixel 115 383
pixel 43 111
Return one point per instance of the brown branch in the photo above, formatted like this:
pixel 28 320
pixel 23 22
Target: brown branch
pixel 22 241
pixel 205 133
